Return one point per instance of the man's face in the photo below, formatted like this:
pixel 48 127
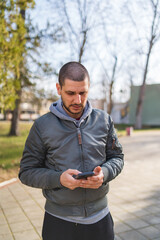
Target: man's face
pixel 74 96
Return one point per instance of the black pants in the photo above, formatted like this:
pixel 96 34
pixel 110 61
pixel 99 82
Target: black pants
pixel 57 229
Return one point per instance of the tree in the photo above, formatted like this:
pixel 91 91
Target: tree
pixel 112 61
pixel 153 38
pixel 108 81
pixel 13 55
pixel 26 40
pixel 10 53
pixel 86 28
pixel 147 42
pixel 79 19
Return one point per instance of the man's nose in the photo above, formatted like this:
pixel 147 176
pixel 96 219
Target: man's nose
pixel 78 99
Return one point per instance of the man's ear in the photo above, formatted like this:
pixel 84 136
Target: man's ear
pixel 58 88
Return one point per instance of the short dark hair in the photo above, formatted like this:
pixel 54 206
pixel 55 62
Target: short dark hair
pixel 74 71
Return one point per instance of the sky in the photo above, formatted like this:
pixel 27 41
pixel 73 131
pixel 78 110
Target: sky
pixel 126 36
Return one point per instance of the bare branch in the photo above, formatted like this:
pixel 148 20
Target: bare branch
pixel 135 25
pixel 102 64
pixel 83 45
pixel 69 24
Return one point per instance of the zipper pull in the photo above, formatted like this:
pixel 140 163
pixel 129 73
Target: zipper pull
pixel 113 143
pixel 79 137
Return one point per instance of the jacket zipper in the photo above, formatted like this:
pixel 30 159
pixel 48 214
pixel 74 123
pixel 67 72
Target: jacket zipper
pixel 79 137
pixel 80 143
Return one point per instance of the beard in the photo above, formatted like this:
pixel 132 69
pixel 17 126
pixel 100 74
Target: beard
pixel 74 113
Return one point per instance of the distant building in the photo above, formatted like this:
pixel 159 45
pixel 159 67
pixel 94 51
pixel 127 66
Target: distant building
pixel 98 103
pixel 151 105
pixel 119 112
pixel 30 108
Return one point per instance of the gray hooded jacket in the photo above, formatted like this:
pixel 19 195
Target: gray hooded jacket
pixel 56 143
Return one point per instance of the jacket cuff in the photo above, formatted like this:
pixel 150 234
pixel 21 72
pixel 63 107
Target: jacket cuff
pixel 54 180
pixel 106 174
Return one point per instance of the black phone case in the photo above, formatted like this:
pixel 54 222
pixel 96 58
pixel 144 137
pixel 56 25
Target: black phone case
pixel 83 175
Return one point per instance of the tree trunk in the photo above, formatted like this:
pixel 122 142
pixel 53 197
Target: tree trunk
pixel 138 123
pixel 110 105
pixel 81 52
pixel 4 115
pixel 14 129
pixel 111 86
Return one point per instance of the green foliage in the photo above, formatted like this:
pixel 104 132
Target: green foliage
pixel 20 42
pixel 13 49
pixel 11 148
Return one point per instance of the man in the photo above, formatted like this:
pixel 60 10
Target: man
pixel 70 139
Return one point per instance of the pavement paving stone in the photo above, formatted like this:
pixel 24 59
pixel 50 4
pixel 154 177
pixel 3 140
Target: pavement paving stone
pixel 116 210
pixel 157 226
pixel 136 223
pixel 9 204
pixel 2 220
pixel 12 211
pixel 153 209
pixel 20 226
pixel 151 219
pixel 124 216
pixel 37 222
pixel 4 229
pixel 121 227
pixel 1 213
pixel 157 214
pixel 6 237
pixel 5 194
pixel 139 212
pixel 27 234
pixel 26 202
pixel 41 202
pixel 32 207
pixel 132 235
pixel 39 230
pixel 150 232
pixel 34 214
pixel 16 218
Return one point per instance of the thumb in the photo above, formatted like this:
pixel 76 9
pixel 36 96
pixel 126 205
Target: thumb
pixel 73 171
pixel 97 170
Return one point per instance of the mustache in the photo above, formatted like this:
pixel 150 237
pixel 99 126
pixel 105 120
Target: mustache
pixel 77 105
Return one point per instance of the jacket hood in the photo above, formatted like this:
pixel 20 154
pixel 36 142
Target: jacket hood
pixel 57 109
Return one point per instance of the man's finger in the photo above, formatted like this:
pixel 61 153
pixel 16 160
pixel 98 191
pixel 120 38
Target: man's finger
pixel 97 170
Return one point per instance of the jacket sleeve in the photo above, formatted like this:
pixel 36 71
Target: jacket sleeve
pixel 114 155
pixel 33 171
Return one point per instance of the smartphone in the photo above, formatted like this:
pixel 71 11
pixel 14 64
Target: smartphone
pixel 83 175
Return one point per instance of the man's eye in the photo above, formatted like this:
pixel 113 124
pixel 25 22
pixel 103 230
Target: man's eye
pixel 70 93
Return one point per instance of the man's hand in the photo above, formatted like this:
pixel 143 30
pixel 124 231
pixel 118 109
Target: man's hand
pixel 94 181
pixel 68 181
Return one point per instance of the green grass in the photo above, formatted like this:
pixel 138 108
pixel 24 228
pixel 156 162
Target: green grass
pixel 11 148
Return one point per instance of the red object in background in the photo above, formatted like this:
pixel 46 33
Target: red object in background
pixel 129 131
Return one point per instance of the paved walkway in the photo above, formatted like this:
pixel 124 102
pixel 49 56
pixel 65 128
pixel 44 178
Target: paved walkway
pixel 134 197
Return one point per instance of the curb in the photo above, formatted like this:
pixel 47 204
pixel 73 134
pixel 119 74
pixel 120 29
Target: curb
pixel 8 182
